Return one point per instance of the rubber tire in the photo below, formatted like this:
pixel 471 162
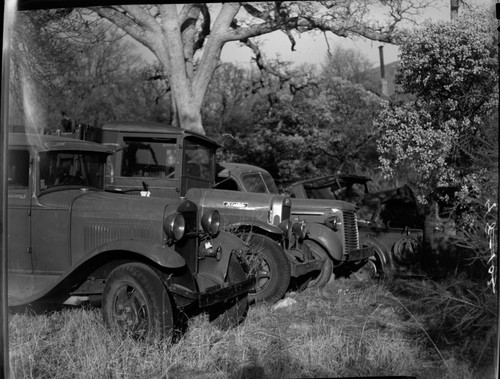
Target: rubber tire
pixel 137 285
pixel 233 312
pixel 327 269
pixel 369 271
pixel 275 263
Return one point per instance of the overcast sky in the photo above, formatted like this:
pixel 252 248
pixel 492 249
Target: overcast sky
pixel 311 48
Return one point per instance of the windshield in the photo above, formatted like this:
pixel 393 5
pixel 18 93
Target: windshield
pixel 71 168
pixel 149 158
pixel 260 182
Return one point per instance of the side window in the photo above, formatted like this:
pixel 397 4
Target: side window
pixel 228 184
pixel 19 167
pixel 198 161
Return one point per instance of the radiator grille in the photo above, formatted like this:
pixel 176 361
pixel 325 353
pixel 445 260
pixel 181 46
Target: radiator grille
pixel 187 247
pixel 99 234
pixel 350 231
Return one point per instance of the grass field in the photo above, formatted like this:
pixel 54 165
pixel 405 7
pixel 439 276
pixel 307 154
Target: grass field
pixel 351 328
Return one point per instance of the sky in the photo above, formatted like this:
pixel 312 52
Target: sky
pixel 312 47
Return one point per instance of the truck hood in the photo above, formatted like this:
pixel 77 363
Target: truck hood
pixel 92 201
pixel 237 206
pixel 315 206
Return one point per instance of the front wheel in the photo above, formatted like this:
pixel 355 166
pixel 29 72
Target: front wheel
pixel 136 303
pixel 326 270
pixel 269 264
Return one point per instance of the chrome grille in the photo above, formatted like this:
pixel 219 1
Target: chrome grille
pixel 187 247
pixel 287 212
pixel 351 235
pixel 191 221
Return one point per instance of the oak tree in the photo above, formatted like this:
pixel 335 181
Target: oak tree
pixel 187 39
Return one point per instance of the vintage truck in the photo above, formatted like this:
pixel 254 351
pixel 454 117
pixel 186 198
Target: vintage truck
pixel 158 160
pixel 389 221
pixel 332 224
pixel 409 239
pixel 145 261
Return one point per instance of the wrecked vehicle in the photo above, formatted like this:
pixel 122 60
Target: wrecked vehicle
pixel 408 240
pixel 159 160
pixel 332 224
pixel 145 261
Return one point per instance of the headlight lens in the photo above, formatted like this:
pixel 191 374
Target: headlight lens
pixel 333 222
pixel 210 222
pixel 175 226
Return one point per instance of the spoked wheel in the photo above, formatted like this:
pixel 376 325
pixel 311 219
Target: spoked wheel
pixel 136 303
pixel 233 312
pixel 269 264
pixel 326 270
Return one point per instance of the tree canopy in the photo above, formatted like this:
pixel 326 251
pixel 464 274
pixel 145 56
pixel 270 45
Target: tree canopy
pixel 187 39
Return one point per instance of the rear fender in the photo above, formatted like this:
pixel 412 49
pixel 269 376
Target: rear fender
pixel 212 271
pixel 327 238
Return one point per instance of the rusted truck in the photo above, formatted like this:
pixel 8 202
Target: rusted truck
pixel 332 224
pixel 158 160
pixel 145 261
pixel 408 240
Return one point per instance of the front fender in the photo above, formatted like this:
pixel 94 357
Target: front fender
pixel 212 271
pixel 162 255
pixel 382 253
pixel 327 238
pixel 256 224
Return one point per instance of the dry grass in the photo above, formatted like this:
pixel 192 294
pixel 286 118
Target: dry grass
pixel 349 329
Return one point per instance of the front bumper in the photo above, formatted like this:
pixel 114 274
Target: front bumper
pixel 359 254
pixel 215 294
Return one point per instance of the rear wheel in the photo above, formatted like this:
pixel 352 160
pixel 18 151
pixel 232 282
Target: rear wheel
pixel 136 303
pixel 234 311
pixel 269 264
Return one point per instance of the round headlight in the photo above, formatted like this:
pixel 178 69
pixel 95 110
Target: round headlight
pixel 174 226
pixel 333 222
pixel 210 222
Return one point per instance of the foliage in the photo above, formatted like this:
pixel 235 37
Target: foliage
pixel 451 67
pixel 348 64
pixel 178 35
pixel 229 101
pixel 349 329
pixel 309 126
pixel 447 135
pixel 89 75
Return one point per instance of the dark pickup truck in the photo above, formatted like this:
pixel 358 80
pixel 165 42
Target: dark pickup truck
pixel 146 261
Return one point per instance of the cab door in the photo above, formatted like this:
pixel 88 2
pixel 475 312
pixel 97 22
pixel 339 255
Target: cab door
pixel 20 260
